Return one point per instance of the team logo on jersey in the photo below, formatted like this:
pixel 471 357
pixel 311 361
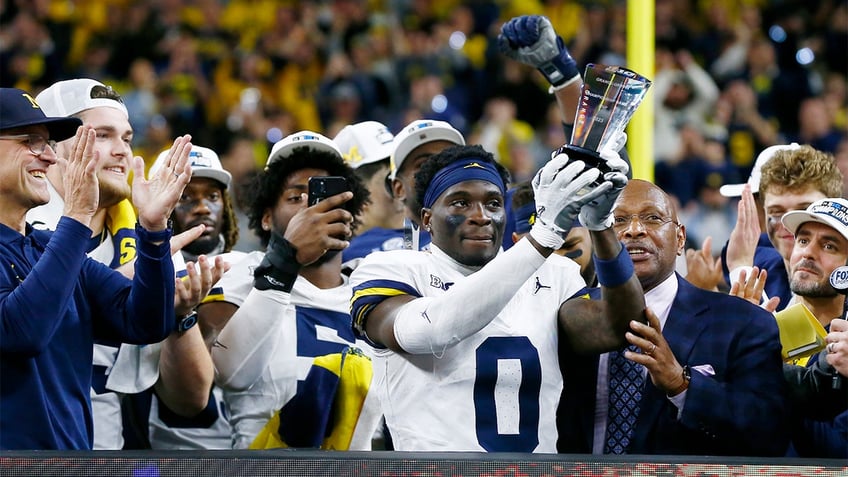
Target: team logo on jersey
pixel 539 286
pixel 437 282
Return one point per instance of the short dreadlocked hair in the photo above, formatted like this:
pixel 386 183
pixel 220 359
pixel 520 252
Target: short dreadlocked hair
pixel 265 188
pixel 229 225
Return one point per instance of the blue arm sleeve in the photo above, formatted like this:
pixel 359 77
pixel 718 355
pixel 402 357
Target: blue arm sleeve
pixel 137 312
pixel 32 310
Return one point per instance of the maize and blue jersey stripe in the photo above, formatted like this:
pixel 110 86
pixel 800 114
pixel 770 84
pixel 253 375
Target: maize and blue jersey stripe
pixel 368 295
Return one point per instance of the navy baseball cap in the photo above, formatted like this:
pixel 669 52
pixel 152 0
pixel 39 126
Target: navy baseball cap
pixel 18 108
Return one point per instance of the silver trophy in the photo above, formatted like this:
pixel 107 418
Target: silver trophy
pixel 609 98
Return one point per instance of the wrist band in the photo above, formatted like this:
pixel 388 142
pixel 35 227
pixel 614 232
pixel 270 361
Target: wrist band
pixel 553 89
pixel 616 271
pixel 279 268
pixel 284 258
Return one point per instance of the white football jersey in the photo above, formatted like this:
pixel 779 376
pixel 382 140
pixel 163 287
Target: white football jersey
pixel 495 391
pixel 169 432
pixel 316 325
pixel 210 430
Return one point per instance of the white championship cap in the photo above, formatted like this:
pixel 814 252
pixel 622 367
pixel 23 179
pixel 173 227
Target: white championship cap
pixel 832 212
pixel 735 190
pixel 364 143
pixel 204 163
pixel 285 146
pixel 421 132
pixel 66 98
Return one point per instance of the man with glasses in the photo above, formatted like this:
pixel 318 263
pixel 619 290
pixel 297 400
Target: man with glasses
pixel 54 301
pixel 709 380
pixel 186 372
pixel 35 142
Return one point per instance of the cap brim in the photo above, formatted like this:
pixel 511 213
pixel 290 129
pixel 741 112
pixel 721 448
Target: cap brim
pixel 59 128
pixel 732 190
pixel 794 219
pixel 288 150
pixel 223 177
pixel 63 128
pixel 411 142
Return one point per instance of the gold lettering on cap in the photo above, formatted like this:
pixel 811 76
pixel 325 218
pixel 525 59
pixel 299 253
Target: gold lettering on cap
pixel 31 101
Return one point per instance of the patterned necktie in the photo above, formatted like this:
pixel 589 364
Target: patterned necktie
pixel 625 391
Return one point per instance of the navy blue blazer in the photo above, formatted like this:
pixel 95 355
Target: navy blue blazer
pixel 740 410
pixel 766 258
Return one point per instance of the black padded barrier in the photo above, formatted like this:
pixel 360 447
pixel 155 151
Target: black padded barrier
pixel 302 463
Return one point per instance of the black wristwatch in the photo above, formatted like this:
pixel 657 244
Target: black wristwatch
pixel 185 323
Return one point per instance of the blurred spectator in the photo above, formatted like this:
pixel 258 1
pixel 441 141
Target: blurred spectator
pixel 140 98
pixel 527 89
pixel 241 160
pixel 836 99
pixel 508 138
pixel 711 214
pixel 684 94
pixel 841 158
pixel 702 156
pixel 816 126
pixel 748 132
pixel 28 53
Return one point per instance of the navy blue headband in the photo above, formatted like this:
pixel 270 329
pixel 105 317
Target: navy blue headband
pixel 467 169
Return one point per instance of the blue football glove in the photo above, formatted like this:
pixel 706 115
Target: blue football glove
pixel 531 39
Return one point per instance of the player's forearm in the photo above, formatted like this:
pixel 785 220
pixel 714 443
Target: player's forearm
pixel 622 293
pixel 248 342
pixel 185 373
pixel 568 99
pixel 430 325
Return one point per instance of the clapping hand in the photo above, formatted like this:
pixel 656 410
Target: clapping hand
pixel 703 270
pixel 750 287
pixel 82 188
pixel 745 234
pixel 157 197
pixel 200 277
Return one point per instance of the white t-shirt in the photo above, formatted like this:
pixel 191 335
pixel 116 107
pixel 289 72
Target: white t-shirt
pixel 495 391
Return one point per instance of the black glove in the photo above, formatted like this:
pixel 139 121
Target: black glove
pixel 278 269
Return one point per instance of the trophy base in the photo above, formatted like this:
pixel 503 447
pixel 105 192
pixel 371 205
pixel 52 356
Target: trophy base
pixel 588 156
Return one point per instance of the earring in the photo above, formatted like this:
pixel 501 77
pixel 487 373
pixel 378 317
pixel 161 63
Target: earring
pixel 266 227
